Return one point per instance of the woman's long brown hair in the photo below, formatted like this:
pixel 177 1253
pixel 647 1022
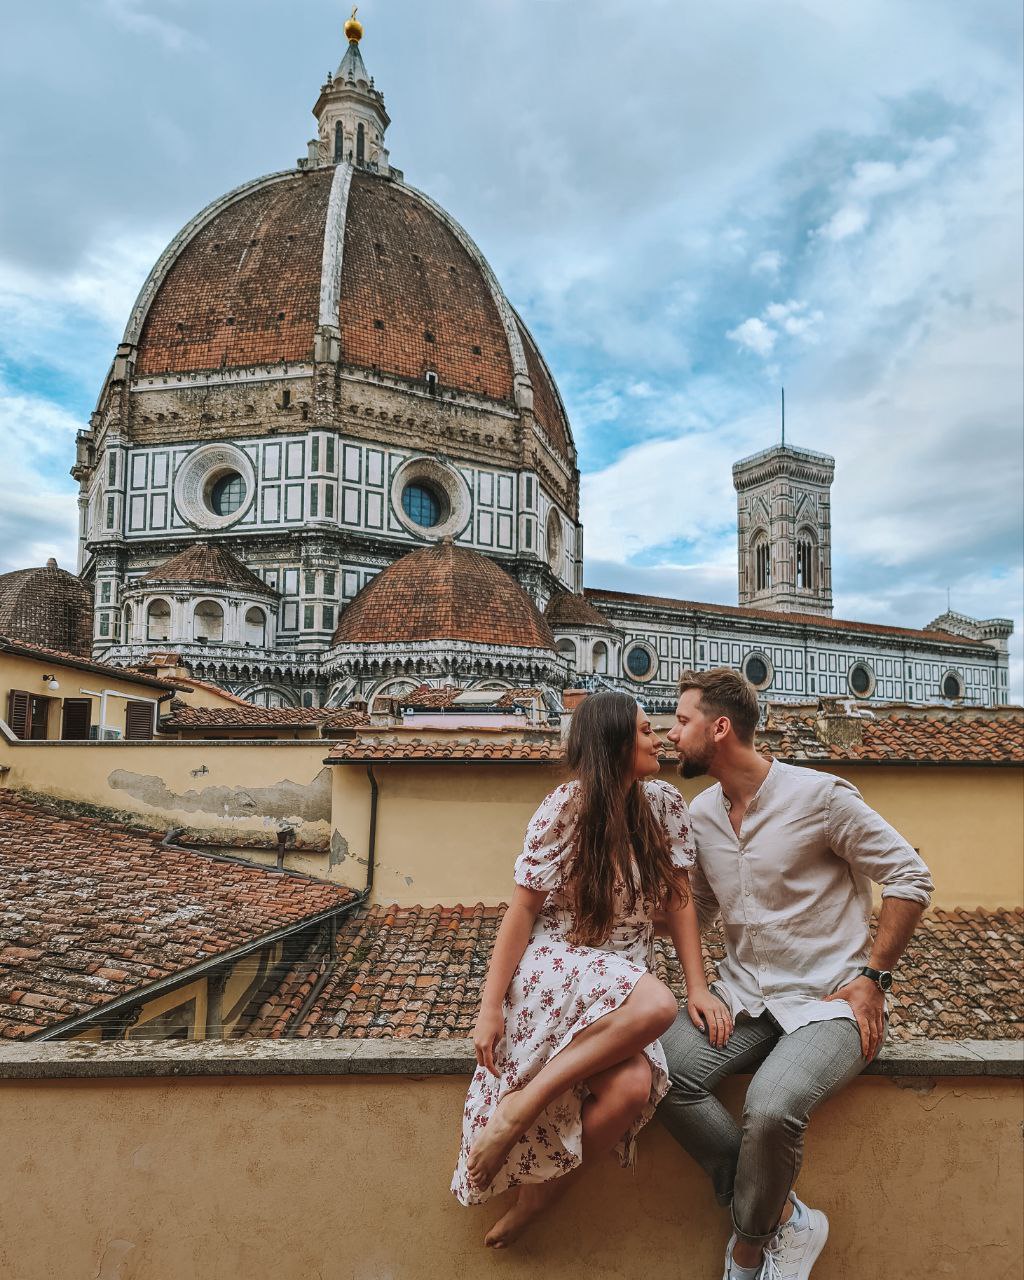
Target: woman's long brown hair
pixel 616 828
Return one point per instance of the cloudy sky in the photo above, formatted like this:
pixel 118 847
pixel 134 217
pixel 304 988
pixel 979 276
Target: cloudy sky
pixel 691 204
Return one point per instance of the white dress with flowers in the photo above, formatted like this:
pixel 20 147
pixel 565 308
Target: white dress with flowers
pixel 559 989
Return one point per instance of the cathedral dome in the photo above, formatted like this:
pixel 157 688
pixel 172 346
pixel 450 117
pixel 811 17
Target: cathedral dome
pixel 340 249
pixel 47 606
pixel 444 592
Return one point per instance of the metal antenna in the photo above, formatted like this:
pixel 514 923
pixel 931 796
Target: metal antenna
pixel 948 605
pixel 783 417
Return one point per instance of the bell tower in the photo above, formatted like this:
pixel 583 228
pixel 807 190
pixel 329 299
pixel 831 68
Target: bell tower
pixel 785 530
pixel 350 113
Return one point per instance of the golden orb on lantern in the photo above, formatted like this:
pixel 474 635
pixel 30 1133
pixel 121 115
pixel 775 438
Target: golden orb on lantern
pixel 353 28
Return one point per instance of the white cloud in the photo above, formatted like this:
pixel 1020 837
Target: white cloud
pixel 755 335
pixel 768 263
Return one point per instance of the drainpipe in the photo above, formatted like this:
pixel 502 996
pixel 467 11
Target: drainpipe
pixel 371 843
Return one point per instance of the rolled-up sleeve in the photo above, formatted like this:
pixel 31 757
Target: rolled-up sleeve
pixel 861 837
pixel 704 899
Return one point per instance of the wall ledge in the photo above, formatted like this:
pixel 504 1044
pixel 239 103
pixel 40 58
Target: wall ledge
pixel 74 1060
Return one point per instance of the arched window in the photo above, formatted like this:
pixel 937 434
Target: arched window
pixel 601 658
pixel 360 144
pixel 128 623
pixel 209 621
pixel 256 627
pixel 158 621
pixel 568 650
pixel 339 143
pixel 805 561
pixel 762 565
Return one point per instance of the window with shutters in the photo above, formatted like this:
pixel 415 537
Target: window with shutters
pixel 27 714
pixel 76 719
pixel 138 720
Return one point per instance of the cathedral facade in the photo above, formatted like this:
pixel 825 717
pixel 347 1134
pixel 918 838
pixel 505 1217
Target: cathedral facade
pixel 329 464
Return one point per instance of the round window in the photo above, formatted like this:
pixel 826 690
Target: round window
pixel 639 662
pixel 227 494
pixel 952 686
pixel 757 671
pixel 862 679
pixel 422 504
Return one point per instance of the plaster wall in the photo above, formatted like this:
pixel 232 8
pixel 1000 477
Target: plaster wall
pixel 235 792
pixel 347 1179
pixel 450 833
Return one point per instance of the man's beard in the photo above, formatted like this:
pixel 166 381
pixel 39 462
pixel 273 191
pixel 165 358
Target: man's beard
pixel 697 764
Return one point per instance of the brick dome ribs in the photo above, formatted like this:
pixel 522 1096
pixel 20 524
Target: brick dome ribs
pixel 245 289
pixel 412 298
pixel 444 592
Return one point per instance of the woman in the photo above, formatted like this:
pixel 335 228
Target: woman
pixel 568 1061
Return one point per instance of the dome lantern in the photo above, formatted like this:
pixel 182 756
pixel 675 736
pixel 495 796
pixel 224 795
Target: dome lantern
pixel 350 113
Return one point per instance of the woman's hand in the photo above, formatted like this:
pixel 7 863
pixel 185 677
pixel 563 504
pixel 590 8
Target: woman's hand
pixel 708 1013
pixel 490 1027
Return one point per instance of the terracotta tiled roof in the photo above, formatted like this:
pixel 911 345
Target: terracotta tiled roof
pixel 924 735
pixel 91 911
pixel 444 592
pixel 426 697
pixel 566 609
pixel 245 289
pixel 208 564
pixel 812 621
pixel 47 606
pixel 46 654
pixel 501 749
pixel 406 276
pixel 547 404
pixel 419 971
pixel 250 716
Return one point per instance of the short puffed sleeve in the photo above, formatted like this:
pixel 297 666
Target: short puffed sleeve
pixel 541 864
pixel 671 808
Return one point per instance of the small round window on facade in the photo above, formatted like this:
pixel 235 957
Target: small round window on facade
pixel 227 494
pixel 861 680
pixel 952 686
pixel 422 504
pixel 757 670
pixel 640 662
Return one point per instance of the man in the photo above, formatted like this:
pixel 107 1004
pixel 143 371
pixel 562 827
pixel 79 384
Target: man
pixel 786 856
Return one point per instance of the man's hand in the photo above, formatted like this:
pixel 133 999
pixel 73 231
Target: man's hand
pixel 867 1001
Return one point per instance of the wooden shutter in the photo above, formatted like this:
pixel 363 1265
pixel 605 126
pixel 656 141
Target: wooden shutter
pixel 138 720
pixel 76 719
pixel 18 702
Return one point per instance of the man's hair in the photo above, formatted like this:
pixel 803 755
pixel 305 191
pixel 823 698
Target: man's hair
pixel 724 692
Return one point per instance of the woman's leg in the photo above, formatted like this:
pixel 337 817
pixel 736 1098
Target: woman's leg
pixel 648 1010
pixel 617 1097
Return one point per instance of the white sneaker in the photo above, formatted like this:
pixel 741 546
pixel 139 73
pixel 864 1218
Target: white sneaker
pixel 792 1253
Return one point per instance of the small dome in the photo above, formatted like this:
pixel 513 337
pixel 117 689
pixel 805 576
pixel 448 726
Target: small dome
pixel 444 592
pixel 207 565
pixel 47 606
pixel 568 610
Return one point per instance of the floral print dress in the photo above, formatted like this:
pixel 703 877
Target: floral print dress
pixel 557 991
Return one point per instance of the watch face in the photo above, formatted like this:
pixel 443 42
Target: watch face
pixel 885 981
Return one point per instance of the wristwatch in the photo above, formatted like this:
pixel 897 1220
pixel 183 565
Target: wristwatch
pixel 882 978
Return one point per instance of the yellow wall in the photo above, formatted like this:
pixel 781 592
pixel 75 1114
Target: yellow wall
pixel 224 791
pixel 17 672
pixel 347 1179
pixel 451 833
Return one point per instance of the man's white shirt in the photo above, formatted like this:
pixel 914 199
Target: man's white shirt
pixel 794 890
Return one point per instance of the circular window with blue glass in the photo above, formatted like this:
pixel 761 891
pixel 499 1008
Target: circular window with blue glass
pixel 641 662
pixel 227 494
pixel 758 670
pixel 423 504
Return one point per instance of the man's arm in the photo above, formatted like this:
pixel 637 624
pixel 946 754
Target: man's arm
pixel 896 924
pixel 872 847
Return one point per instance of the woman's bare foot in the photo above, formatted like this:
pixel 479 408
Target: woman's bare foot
pixel 530 1203
pixel 491 1148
